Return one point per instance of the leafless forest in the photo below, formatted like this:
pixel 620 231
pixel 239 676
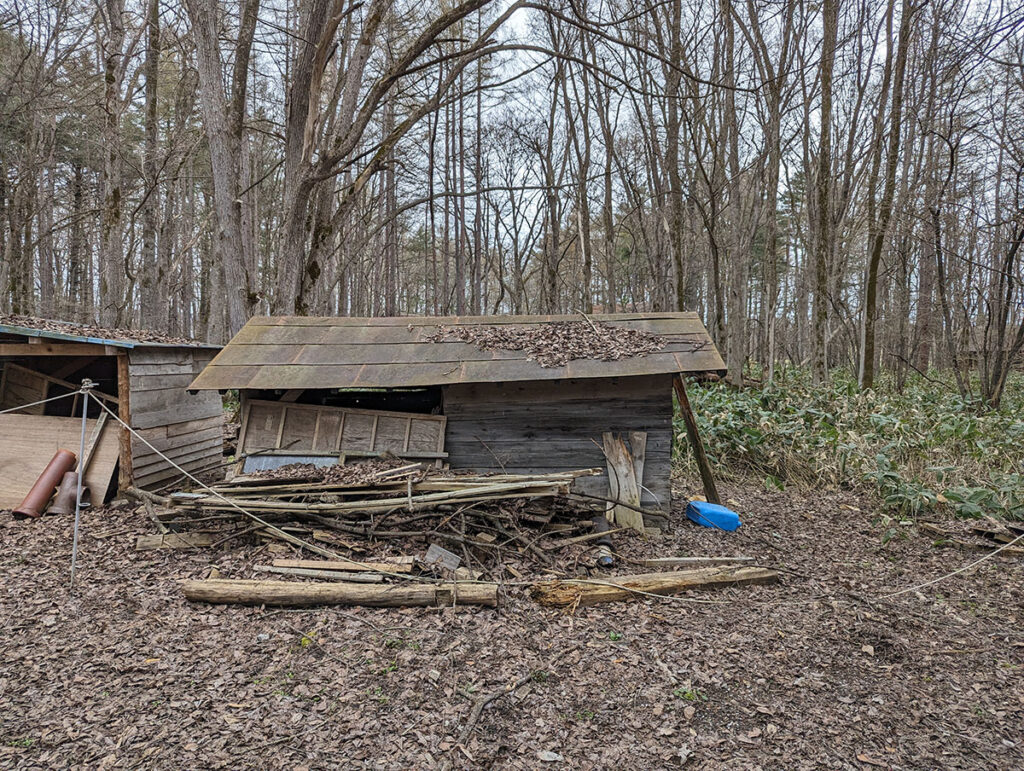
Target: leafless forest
pixel 834 184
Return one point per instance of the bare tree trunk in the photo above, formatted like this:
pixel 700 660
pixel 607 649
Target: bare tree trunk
pixel 112 257
pixel 149 291
pixel 823 192
pixel 223 120
pixel 879 229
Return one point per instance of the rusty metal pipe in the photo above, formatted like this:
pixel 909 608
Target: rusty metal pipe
pixel 67 495
pixel 61 463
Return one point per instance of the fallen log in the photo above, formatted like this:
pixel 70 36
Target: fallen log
pixel 572 593
pixel 288 594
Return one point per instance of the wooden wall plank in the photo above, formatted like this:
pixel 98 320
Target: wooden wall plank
pixel 185 427
pixel 29 442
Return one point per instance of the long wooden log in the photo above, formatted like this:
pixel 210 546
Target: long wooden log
pixel 266 485
pixel 289 594
pixel 563 594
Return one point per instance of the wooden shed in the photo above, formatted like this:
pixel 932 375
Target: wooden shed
pixel 142 377
pixel 318 389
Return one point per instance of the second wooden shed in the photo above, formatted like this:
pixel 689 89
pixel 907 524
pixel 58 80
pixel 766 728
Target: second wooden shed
pixel 316 389
pixel 142 376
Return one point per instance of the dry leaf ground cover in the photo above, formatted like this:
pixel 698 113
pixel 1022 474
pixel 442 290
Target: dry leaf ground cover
pixel 816 672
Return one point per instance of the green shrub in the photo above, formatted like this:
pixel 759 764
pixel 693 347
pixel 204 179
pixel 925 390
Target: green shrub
pixel 918 449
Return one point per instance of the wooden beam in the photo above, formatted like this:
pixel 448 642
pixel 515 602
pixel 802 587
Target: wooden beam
pixel 71 367
pixel 52 349
pixel 710 490
pixel 125 477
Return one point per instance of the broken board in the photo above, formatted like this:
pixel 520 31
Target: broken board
pixel 28 442
pixel 287 429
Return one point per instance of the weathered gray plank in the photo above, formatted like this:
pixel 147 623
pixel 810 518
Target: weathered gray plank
pixel 161 474
pixel 202 408
pixel 141 452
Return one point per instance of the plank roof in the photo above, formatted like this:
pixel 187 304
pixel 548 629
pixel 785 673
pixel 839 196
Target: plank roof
pixel 289 352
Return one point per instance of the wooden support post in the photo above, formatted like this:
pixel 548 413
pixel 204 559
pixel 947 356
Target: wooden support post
pixel 125 477
pixel 710 491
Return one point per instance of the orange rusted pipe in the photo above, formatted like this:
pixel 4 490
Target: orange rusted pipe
pixel 41 492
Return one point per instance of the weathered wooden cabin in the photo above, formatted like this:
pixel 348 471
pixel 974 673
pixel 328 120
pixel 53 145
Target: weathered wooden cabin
pixel 143 380
pixel 314 389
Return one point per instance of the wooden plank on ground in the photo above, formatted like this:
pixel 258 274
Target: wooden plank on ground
pixel 571 594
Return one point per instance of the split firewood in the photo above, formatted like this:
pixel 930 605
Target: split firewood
pixel 289 594
pixel 575 593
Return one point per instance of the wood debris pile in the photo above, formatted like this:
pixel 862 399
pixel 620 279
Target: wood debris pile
pixel 448 539
pixel 88 330
pixel 491 522
pixel 556 343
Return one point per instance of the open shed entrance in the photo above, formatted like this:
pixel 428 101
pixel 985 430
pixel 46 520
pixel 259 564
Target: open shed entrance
pixel 326 426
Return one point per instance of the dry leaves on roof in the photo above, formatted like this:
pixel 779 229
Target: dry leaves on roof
pixel 556 344
pixel 88 330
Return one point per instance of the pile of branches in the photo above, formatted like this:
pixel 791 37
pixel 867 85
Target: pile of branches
pixel 489 521
pixel 556 343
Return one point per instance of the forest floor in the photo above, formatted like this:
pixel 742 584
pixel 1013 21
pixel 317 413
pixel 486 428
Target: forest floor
pixel 819 671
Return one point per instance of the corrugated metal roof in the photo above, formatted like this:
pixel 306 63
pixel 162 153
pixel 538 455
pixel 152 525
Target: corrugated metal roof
pixel 284 352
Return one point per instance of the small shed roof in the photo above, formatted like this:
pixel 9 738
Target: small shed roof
pixel 284 352
pixel 66 331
